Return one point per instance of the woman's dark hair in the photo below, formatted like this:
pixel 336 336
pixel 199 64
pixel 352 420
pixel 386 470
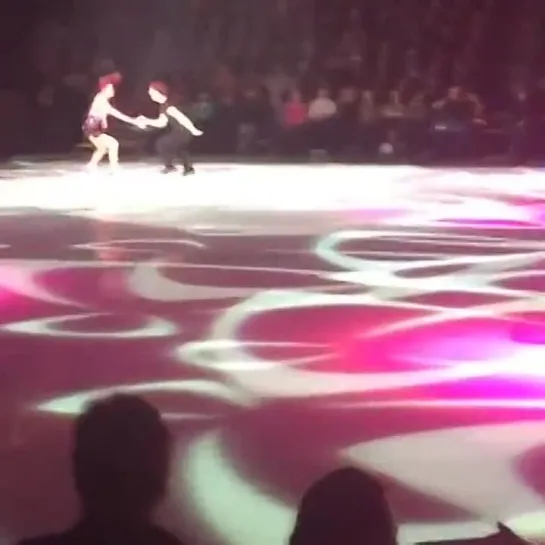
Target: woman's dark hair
pixel 110 79
pixel 160 87
pixel 121 456
pixel 347 506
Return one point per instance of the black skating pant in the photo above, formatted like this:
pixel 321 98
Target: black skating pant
pixel 173 148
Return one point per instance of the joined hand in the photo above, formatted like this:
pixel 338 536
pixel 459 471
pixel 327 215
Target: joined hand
pixel 140 122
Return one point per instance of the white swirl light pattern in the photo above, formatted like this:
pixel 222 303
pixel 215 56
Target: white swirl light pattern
pixel 458 237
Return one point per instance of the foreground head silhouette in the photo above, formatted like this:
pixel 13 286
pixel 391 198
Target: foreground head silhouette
pixel 346 507
pixel 120 464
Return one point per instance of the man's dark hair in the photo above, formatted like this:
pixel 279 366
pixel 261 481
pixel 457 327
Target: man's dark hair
pixel 121 457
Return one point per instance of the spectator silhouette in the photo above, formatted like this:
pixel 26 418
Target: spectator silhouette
pixel 347 506
pixel 120 466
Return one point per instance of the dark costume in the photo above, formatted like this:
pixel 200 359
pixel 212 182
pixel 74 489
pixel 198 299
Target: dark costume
pixel 94 126
pixel 173 144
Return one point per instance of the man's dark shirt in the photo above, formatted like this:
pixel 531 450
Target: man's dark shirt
pixel 89 534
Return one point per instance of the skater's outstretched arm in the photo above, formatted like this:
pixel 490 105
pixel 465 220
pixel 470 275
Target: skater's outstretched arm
pixel 159 122
pixel 183 120
pixel 121 116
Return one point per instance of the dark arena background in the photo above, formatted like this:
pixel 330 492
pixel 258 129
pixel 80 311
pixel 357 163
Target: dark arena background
pixel 354 275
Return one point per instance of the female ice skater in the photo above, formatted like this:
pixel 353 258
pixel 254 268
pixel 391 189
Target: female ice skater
pixel 173 145
pixel 95 126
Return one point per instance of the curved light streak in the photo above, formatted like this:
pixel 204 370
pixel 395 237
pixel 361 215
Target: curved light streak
pixel 115 244
pixel 466 404
pixel 211 355
pixel 479 275
pixel 22 277
pixel 153 328
pixel 211 483
pixel 74 404
pixel 282 380
pixel 147 282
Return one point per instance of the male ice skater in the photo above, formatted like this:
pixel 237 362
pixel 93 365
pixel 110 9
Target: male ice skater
pixel 173 145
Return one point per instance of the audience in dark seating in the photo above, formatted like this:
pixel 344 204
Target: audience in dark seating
pixel 403 55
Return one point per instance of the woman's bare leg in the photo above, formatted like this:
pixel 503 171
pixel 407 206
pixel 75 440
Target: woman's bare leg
pixel 99 153
pixel 112 149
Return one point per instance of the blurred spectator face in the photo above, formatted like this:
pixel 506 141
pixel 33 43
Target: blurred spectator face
pixel 395 97
pixel 455 93
pixel 296 96
pixel 367 95
pixel 223 71
pixel 355 15
pixel 347 95
pixel 519 92
pixel 250 94
pixel 418 99
pixel 322 93
pixel 308 48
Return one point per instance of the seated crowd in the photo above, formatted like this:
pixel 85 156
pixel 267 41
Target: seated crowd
pixel 357 79
pixel 284 118
pixel 121 463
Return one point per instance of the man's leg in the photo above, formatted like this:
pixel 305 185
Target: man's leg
pixel 185 155
pixel 166 149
